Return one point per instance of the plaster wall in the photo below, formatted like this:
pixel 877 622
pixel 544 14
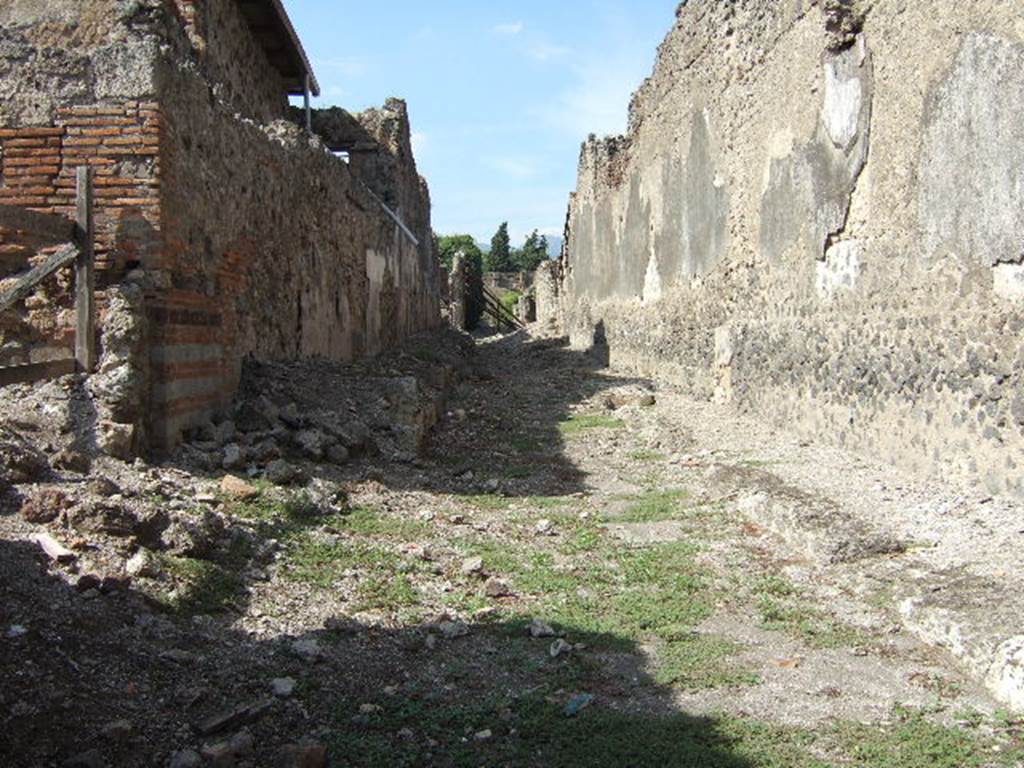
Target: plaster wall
pixel 837 196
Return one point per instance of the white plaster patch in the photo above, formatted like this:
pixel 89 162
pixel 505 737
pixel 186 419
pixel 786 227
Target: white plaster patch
pixel 843 99
pixel 840 269
pixel 725 348
pixel 780 146
pixel 652 281
pixel 1006 677
pixel 1009 281
pixel 376 266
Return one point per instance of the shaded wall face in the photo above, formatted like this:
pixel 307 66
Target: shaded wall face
pixel 272 249
pixel 217 237
pixel 842 215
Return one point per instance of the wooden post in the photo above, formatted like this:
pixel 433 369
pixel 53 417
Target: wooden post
pixel 309 111
pixel 85 300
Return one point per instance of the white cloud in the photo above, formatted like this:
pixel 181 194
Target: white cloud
pixel 509 29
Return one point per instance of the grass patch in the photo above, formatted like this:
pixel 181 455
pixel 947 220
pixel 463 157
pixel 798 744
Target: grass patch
pixel 598 737
pixel 634 595
pixel 648 456
pixel 321 563
pixel 386 592
pixel 586 537
pixel 526 444
pixel 784 609
pixel 574 425
pixel 699 662
pixel 365 521
pixel 490 502
pixel 549 502
pixel 651 507
pixel 202 586
pixel 913 741
pixel 518 472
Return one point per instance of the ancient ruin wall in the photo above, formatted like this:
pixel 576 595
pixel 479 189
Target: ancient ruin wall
pixel 817 216
pixel 274 250
pixel 219 236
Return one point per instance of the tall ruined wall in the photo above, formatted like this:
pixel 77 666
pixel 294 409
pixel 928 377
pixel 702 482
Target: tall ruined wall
pixel 273 248
pixel 816 215
pixel 219 236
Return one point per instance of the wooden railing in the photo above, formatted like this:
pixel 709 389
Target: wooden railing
pixel 77 237
pixel 498 313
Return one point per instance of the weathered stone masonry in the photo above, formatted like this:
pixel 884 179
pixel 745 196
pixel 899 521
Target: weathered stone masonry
pixel 817 215
pixel 224 228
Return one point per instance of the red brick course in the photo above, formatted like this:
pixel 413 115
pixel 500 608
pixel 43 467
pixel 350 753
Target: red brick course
pixel 38 166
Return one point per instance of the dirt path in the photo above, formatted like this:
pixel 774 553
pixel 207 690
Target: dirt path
pixel 584 570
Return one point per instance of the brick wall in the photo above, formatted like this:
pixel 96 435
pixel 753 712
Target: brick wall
pixel 221 232
pixel 38 166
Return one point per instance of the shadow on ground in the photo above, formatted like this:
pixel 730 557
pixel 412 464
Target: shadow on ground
pixel 398 696
pixel 512 426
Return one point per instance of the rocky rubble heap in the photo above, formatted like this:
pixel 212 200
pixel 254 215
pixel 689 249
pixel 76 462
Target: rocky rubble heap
pixel 116 535
pixel 291 424
pixel 314 412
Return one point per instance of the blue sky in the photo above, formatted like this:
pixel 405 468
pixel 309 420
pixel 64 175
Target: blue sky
pixel 500 93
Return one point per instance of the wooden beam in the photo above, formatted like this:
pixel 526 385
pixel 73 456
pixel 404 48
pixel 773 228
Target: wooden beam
pixel 53 228
pixel 29 374
pixel 309 111
pixel 85 300
pixel 25 285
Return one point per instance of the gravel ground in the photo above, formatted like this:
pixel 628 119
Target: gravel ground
pixel 580 567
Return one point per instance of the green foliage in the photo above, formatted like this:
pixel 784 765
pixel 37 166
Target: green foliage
pixel 448 246
pixel 511 301
pixel 500 257
pixel 582 422
pixel 533 253
pixel 914 742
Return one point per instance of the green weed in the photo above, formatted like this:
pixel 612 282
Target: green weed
pixel 574 425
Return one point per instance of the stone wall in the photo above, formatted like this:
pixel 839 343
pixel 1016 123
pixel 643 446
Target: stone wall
pixel 231 58
pixel 220 234
pixel 816 215
pixel 548 307
pixel 501 283
pixel 277 251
